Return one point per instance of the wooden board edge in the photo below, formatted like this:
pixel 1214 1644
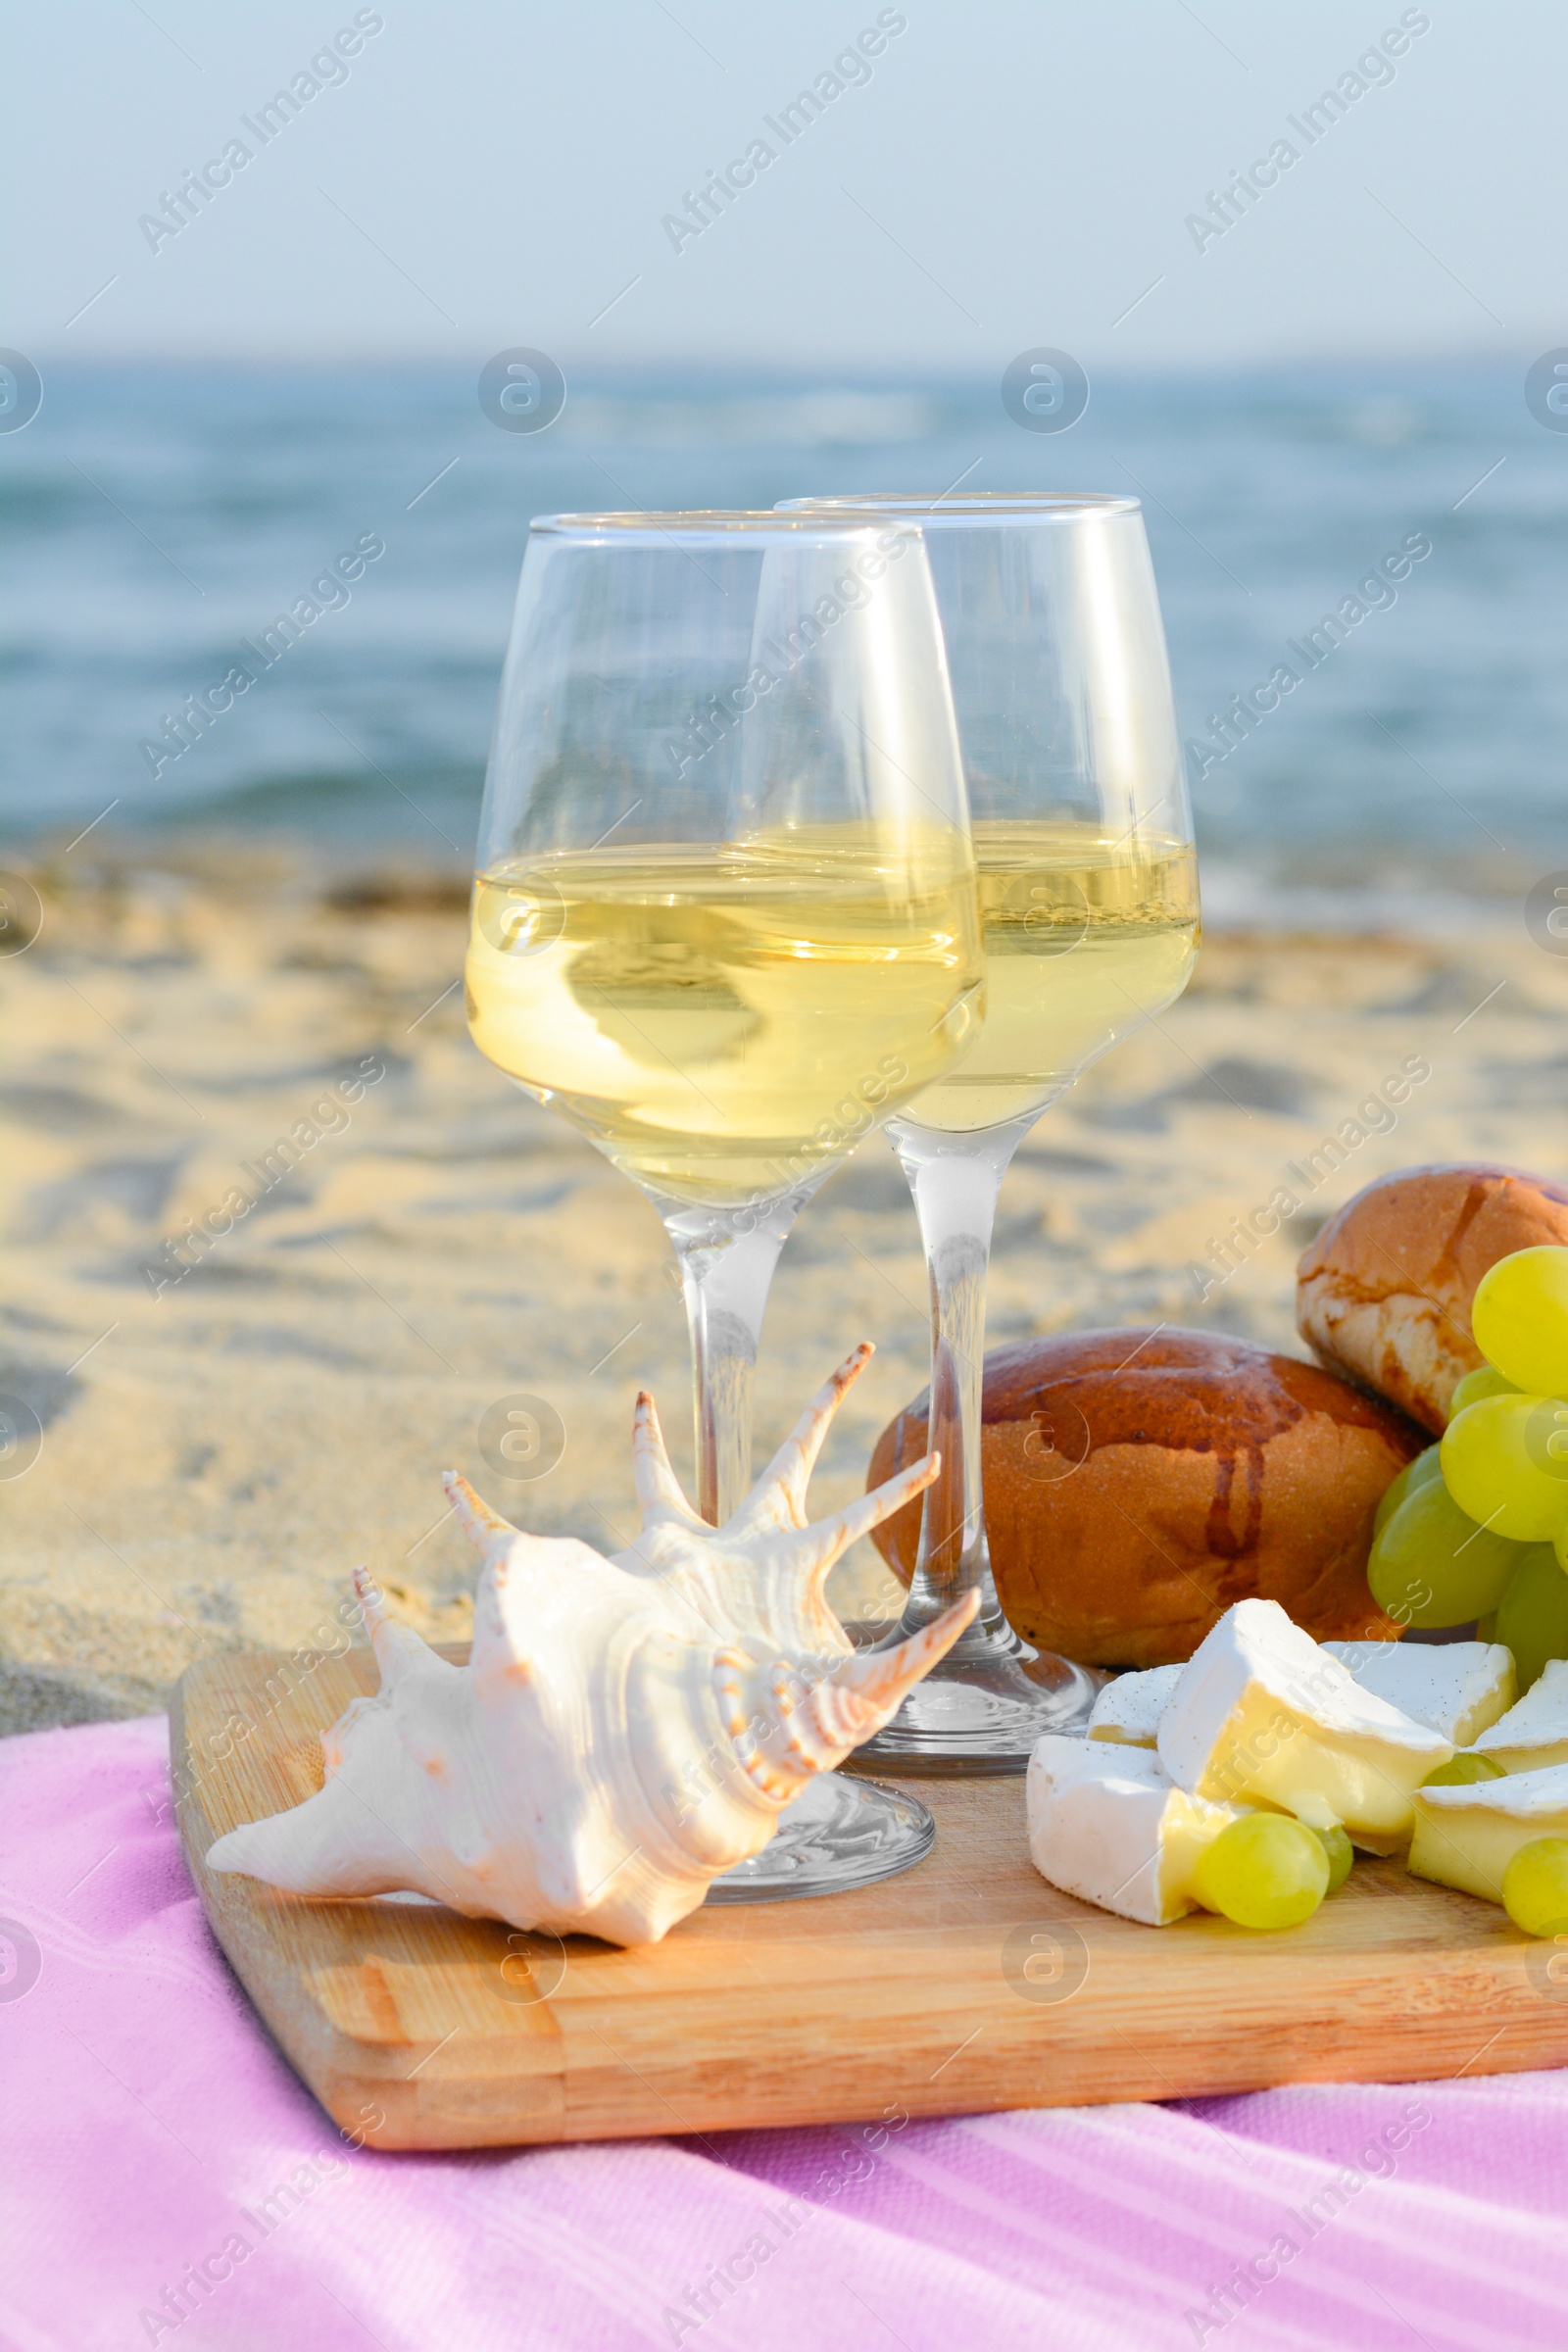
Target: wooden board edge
pixel 597 2107
pixel 356 2082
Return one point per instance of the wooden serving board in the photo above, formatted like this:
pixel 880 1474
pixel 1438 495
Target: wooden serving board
pixel 966 1984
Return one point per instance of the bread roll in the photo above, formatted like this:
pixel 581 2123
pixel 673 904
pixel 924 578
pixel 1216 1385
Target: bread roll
pixel 1137 1482
pixel 1384 1293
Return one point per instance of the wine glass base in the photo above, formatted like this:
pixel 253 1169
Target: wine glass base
pixel 982 1710
pixel 836 1835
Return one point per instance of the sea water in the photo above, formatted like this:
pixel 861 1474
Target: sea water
pixel 1399 765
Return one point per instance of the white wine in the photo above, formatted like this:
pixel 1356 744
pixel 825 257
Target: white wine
pixel 1085 938
pixel 721 1021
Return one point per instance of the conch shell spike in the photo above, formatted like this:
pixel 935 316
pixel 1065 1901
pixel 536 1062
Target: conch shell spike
pixel 488 1532
pixel 658 1489
pixel 835 1536
pixel 830 1716
pixel 398 1649
pixel 778 1499
pixel 882 1679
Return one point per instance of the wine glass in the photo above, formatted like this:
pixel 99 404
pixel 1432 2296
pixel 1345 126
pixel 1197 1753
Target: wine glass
pixel 725 921
pixel 1089 898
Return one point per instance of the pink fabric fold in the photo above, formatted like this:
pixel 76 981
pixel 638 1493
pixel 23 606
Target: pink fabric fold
pixel 168 2181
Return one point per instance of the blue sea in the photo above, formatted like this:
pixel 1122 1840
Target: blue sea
pixel 156 518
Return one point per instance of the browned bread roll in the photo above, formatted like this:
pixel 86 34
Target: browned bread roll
pixel 1137 1482
pixel 1384 1293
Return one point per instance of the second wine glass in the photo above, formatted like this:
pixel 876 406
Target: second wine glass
pixel 1089 898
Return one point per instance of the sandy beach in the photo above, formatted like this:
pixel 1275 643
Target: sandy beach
pixel 221 1445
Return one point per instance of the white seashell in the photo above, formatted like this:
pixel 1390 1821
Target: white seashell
pixel 624 1729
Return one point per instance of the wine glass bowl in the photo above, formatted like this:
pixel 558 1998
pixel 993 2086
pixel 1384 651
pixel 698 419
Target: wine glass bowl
pixel 1089 906
pixel 725 919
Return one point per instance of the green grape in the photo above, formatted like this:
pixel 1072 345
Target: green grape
pixel 1341 1853
pixel 1519 1315
pixel 1487 1627
pixel 1462 1771
pixel 1431 1565
pixel 1475 1386
pixel 1506 1461
pixel 1531 1617
pixel 1264 1871
pixel 1535 1887
pixel 1415 1474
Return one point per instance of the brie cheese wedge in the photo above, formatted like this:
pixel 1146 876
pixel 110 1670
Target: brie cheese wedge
pixel 1468 1837
pixel 1455 1688
pixel 1262 1715
pixel 1105 1823
pixel 1129 1708
pixel 1534 1733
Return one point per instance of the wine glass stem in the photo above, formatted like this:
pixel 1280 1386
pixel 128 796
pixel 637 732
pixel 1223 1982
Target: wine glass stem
pixel 726 1259
pixel 956 1180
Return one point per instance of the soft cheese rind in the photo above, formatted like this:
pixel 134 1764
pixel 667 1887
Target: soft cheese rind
pixel 1534 1733
pixel 1455 1688
pixel 1105 1823
pixel 1128 1710
pixel 1468 1837
pixel 1261 1714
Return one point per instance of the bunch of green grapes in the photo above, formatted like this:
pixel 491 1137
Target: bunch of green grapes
pixel 1478 1526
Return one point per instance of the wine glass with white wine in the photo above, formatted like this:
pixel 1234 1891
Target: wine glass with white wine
pixel 1089 897
pixel 725 921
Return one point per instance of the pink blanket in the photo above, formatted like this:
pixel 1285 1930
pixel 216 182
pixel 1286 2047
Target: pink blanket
pixel 168 2181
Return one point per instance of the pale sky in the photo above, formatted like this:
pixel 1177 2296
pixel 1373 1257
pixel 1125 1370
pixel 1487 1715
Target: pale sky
pixel 1002 174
